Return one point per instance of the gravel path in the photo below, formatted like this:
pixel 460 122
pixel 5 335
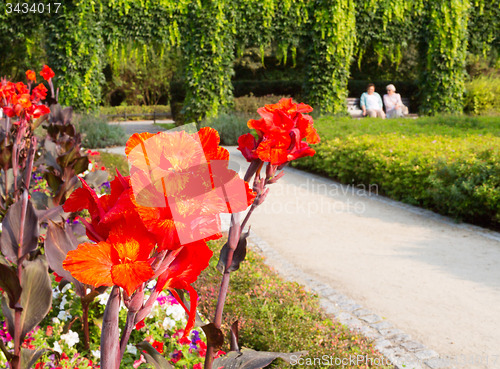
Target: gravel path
pixel 416 282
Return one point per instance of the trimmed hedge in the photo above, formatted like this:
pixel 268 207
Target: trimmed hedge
pixel 134 110
pixel 482 95
pixel 454 176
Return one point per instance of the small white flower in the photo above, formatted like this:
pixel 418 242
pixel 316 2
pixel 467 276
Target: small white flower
pixel 131 349
pixel 103 298
pixel 176 312
pixel 88 291
pixel 96 353
pixel 63 303
pixel 56 321
pixel 57 347
pixel 151 284
pixel 168 323
pixel 71 338
pixel 66 288
pixel 64 315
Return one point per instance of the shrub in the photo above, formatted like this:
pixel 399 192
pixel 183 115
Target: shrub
pixel 454 176
pixel 97 133
pixel 482 95
pixel 250 103
pixel 230 126
pixel 143 111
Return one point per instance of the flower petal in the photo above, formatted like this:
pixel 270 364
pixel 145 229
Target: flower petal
pixel 130 276
pixel 90 264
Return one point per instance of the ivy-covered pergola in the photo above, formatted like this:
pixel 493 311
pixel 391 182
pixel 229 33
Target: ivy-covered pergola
pixel 209 34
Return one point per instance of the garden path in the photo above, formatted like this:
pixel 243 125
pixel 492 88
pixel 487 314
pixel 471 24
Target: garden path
pixel 140 126
pixel 435 279
pixel 432 278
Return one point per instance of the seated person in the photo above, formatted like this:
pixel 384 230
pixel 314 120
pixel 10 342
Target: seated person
pixel 394 107
pixel 371 103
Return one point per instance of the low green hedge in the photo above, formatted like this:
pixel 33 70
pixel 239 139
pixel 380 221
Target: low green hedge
pixel 482 95
pixel 454 176
pixel 122 111
pixel 97 133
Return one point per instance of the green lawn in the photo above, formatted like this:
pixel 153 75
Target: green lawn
pixel 455 126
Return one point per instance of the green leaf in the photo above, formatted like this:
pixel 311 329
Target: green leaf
pixel 9 315
pixel 250 359
pixel 11 227
pixel 10 284
pixel 153 357
pixel 81 164
pixel 238 256
pixel 30 357
pixel 96 178
pixel 59 241
pixel 36 297
pixel 215 337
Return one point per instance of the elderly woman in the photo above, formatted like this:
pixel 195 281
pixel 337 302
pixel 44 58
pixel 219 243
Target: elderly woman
pixel 371 103
pixel 394 107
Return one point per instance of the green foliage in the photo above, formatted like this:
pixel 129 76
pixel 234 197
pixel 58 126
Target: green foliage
pixel 482 95
pixel 275 315
pixel 75 51
pixel 331 45
pixel 484 28
pixel 121 111
pixel 140 77
pixel 112 163
pixel 444 44
pixel 447 125
pixel 207 48
pixel 448 166
pixel 229 125
pixel 97 133
pixel 249 104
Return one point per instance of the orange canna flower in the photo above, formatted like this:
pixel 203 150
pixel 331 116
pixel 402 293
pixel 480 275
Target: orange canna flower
pixel 31 75
pixel 122 260
pixel 184 271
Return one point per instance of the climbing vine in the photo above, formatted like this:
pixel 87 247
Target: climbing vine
pixel 75 50
pixel 87 36
pixel 208 50
pixel 331 44
pixel 444 49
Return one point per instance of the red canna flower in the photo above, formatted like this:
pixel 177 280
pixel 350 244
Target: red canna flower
pixel 182 183
pixel 184 271
pixel 39 92
pixel 281 130
pixel 47 73
pixel 31 75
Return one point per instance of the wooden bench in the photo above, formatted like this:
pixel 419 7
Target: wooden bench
pixel 355 111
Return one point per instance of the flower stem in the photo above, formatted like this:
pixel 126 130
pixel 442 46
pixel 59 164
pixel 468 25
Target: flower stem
pixel 85 323
pixel 110 336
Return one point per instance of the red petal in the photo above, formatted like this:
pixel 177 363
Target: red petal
pixel 130 276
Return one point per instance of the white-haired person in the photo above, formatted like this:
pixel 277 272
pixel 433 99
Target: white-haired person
pixel 394 107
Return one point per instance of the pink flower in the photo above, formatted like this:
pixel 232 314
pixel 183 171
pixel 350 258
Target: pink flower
pixel 137 363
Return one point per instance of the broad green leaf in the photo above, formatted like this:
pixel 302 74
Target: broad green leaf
pixel 36 297
pixel 11 227
pixel 153 357
pixel 215 337
pixel 10 284
pixel 250 359
pixel 30 357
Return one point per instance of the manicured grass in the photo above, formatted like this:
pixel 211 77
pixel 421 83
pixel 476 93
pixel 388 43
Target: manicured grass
pixel 450 165
pixel 113 162
pixel 455 126
pixel 275 315
pixel 166 125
